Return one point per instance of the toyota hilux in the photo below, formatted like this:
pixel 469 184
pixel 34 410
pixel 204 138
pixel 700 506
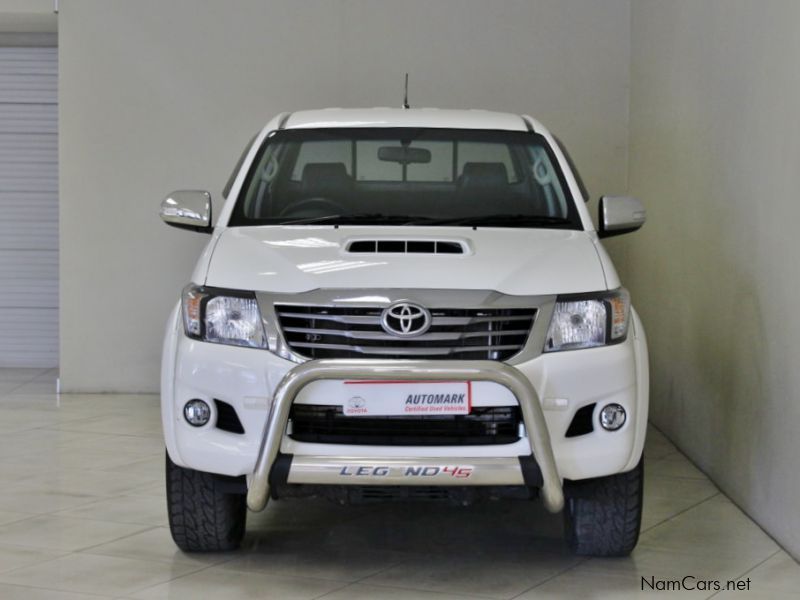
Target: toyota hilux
pixel 404 304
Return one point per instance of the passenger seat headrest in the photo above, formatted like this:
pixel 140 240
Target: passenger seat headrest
pixel 320 178
pixel 483 175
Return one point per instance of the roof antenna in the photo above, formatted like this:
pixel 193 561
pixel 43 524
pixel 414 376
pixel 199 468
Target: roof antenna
pixel 405 98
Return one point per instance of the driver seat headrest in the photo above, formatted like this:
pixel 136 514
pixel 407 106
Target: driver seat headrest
pixel 325 179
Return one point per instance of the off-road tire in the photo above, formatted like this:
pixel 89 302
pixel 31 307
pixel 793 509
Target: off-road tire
pixel 203 518
pixel 603 516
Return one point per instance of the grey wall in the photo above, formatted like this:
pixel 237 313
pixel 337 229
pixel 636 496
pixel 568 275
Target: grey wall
pixel 156 96
pixel 27 22
pixel 715 154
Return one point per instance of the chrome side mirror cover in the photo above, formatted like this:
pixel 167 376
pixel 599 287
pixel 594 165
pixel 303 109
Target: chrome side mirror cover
pixel 188 209
pixel 620 214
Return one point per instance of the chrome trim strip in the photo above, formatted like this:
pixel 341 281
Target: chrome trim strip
pixel 327 470
pixel 475 299
pixel 394 351
pixel 483 370
pixel 368 320
pixel 438 336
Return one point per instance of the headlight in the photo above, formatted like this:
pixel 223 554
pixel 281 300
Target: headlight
pixel 588 320
pixel 222 317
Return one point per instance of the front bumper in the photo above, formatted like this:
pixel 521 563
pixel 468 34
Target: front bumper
pixel 249 380
pixel 496 471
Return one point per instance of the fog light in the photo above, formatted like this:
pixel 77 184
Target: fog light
pixel 197 412
pixel 612 417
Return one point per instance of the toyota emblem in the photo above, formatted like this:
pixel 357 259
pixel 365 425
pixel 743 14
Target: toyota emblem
pixel 405 319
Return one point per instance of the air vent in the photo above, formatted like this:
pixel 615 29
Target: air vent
pixel 582 422
pixel 227 419
pixel 406 247
pixel 374 493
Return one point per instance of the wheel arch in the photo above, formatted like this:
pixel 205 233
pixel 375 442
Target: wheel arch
pixel 168 362
pixel 642 389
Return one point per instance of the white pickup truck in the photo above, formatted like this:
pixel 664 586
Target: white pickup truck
pixel 405 304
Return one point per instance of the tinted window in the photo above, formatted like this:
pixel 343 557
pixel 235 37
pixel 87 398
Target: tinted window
pixel 229 184
pixel 574 169
pixel 423 174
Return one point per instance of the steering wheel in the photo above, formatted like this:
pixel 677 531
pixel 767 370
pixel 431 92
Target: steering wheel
pixel 310 204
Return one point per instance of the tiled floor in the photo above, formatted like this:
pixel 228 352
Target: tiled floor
pixel 82 515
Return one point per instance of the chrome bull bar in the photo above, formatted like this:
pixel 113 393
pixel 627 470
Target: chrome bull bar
pixel 412 370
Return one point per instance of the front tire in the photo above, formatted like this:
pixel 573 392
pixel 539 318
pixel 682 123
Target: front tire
pixel 203 517
pixel 603 516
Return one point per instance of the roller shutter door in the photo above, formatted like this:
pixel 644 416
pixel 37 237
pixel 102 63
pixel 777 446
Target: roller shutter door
pixel 28 207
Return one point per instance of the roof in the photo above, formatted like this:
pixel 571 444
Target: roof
pixel 405 117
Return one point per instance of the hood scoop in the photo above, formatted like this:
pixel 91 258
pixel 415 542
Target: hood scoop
pixel 401 246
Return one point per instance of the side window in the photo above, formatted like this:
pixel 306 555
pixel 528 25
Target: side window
pixel 370 168
pixel 325 151
pixel 486 153
pixel 229 184
pixel 439 169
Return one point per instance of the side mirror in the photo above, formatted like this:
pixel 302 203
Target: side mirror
pixel 188 209
pixel 620 214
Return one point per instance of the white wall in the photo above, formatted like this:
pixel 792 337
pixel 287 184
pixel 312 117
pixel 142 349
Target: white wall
pixel 157 95
pixel 715 155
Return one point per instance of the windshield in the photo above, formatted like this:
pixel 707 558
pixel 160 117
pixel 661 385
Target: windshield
pixel 405 176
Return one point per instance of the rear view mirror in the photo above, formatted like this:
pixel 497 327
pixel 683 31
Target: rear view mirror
pixel 405 155
pixel 188 209
pixel 620 214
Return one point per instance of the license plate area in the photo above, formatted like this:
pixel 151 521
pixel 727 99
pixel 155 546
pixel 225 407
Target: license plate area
pixel 405 398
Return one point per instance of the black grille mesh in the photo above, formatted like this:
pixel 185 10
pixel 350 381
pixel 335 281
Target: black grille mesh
pixel 327 424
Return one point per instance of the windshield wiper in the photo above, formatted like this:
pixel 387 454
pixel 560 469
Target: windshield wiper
pixel 512 220
pixel 356 218
pixel 498 220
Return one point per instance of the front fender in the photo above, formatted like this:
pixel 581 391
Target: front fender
pixel 642 388
pixel 168 355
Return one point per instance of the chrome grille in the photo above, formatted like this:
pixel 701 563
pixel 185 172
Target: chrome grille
pixel 356 332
